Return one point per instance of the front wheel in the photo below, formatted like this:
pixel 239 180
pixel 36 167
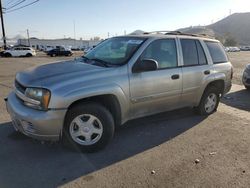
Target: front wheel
pixel 88 126
pixel 209 101
pixel 247 87
pixel 7 55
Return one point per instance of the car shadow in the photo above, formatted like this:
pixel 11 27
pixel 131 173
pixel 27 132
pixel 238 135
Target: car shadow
pixel 239 99
pixel 25 162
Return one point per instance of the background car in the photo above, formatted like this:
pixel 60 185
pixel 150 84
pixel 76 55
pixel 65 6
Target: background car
pixel 19 52
pixel 59 52
pixel 233 49
pixel 246 77
pixel 245 48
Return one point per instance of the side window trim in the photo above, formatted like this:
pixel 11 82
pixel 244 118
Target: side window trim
pixel 196 43
pixel 206 51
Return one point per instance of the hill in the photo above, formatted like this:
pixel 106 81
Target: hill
pixel 236 26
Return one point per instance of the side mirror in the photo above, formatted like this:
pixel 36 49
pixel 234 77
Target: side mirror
pixel 145 65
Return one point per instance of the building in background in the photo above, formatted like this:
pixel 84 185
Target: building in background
pixel 68 43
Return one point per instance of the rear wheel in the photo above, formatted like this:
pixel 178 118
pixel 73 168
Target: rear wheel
pixel 209 101
pixel 28 55
pixel 88 127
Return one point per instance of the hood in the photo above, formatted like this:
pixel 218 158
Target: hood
pixel 45 75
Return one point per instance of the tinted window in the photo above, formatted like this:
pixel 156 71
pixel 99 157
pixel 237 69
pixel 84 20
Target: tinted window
pixel 163 51
pixel 201 54
pixel 189 52
pixel 217 52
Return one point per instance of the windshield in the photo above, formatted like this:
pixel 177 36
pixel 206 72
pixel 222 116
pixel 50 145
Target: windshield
pixel 115 51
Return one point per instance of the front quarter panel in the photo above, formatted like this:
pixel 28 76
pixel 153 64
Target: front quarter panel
pixel 62 97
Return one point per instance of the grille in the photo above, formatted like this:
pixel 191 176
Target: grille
pixel 19 87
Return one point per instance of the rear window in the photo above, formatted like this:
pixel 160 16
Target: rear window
pixel 217 52
pixel 193 53
pixel 189 51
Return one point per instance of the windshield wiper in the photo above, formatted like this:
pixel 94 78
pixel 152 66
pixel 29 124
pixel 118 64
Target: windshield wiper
pixel 85 58
pixel 104 63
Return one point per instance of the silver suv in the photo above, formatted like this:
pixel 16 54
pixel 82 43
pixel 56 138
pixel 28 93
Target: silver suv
pixel 123 78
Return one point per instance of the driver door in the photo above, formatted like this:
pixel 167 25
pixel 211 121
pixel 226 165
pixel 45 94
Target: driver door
pixel 159 90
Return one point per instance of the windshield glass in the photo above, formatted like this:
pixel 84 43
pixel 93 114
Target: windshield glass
pixel 115 51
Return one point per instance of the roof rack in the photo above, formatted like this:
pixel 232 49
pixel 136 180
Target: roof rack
pixel 178 33
pixel 157 32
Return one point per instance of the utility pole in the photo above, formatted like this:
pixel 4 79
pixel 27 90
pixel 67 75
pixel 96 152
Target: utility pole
pixel 74 34
pixel 28 35
pixel 3 30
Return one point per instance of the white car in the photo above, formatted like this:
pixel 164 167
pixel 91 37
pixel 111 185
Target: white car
pixel 19 52
pixel 234 49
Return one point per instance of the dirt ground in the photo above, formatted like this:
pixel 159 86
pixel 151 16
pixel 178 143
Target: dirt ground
pixel 156 151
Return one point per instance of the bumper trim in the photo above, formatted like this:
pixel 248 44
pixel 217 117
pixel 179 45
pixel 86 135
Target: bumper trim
pixel 46 125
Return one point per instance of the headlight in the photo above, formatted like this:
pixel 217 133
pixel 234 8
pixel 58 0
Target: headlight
pixel 39 98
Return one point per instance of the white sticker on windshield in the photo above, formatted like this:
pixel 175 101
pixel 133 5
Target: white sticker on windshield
pixel 135 41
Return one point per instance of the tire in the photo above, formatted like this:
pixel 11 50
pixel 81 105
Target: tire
pixel 88 127
pixel 7 55
pixel 247 87
pixel 28 55
pixel 205 107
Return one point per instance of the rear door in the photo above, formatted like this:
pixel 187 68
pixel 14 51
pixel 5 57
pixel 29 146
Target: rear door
pixel 16 51
pixel 195 70
pixel 159 90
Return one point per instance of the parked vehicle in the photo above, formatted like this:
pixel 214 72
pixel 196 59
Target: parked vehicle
pixel 19 52
pixel 245 48
pixel 246 77
pixel 123 78
pixel 233 49
pixel 59 52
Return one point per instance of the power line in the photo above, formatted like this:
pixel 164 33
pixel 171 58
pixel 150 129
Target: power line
pixel 22 6
pixel 17 3
pixel 11 1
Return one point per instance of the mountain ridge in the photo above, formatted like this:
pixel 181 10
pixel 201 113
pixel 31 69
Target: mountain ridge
pixel 236 26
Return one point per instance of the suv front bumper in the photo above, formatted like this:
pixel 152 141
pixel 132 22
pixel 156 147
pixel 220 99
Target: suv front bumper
pixel 41 125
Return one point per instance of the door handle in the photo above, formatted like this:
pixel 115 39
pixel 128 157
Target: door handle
pixel 175 76
pixel 206 72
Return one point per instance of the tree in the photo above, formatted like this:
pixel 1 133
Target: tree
pixel 96 38
pixel 230 41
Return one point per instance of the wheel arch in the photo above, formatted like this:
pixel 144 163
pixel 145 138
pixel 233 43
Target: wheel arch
pixel 220 84
pixel 109 101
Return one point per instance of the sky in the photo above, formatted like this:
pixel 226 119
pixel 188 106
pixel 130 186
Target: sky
pixel 56 18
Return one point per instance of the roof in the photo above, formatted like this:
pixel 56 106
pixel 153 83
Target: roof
pixel 163 34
